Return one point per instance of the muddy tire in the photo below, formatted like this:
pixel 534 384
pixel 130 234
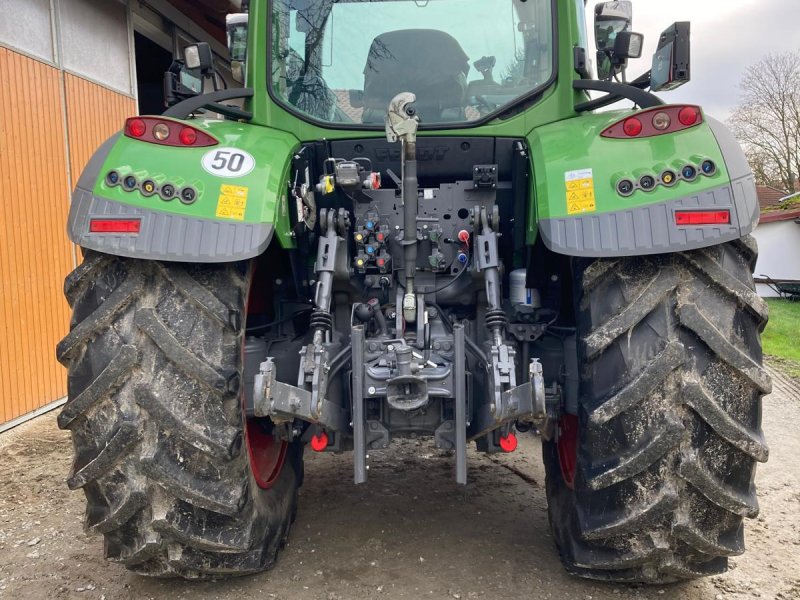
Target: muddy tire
pixel 155 369
pixel 668 431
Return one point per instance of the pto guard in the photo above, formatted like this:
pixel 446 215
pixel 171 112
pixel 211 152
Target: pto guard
pixel 233 216
pixel 603 223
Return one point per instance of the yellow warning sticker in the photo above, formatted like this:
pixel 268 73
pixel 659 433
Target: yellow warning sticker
pixel 232 202
pixel 580 191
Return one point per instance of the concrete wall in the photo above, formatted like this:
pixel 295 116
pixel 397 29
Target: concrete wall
pixel 779 252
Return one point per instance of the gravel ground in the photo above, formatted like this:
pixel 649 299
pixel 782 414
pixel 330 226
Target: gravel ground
pixel 409 533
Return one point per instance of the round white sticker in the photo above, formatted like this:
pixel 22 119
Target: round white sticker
pixel 228 162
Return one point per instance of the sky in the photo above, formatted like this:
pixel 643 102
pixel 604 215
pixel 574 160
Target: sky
pixel 727 36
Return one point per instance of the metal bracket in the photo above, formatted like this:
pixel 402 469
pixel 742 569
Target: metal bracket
pixel 526 402
pixel 401 120
pixel 283 402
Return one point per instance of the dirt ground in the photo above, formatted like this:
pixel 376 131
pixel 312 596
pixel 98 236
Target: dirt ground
pixel 409 533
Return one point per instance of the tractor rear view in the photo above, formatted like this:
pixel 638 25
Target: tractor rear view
pixel 415 223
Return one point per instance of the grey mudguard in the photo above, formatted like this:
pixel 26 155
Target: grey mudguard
pixel 165 236
pixel 651 229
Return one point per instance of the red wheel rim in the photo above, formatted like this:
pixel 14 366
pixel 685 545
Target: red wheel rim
pixel 568 448
pixel 267 453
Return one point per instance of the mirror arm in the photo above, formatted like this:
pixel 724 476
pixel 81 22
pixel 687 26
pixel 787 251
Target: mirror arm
pixel 616 91
pixel 211 101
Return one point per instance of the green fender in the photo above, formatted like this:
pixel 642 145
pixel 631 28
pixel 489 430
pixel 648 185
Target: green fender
pixel 579 212
pixel 239 187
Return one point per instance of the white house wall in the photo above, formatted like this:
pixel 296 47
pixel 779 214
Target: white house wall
pixel 779 252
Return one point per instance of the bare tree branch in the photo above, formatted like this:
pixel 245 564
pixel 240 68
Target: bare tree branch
pixel 767 120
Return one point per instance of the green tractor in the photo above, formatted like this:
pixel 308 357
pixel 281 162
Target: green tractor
pixel 412 221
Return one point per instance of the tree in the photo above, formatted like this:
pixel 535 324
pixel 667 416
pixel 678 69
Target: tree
pixel 767 120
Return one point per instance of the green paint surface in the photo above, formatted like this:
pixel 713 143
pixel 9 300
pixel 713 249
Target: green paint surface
pixel 560 140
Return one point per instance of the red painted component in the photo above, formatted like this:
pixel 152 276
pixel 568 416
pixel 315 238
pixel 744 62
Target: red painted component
pixel 266 452
pixel 319 442
pixel 508 442
pixel 568 448
pixel 180 134
pixel 688 115
pixel 381 262
pixel 115 225
pixel 632 127
pixel 375 181
pixel 642 125
pixel 702 217
pixel 380 237
pixel 463 236
pixel 187 136
pixel 135 128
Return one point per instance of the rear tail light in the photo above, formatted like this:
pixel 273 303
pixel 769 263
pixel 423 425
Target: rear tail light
pixel 135 128
pixel 702 217
pixel 115 225
pixel 632 127
pixel 156 130
pixel 655 121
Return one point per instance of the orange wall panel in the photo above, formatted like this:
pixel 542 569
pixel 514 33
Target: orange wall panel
pixel 34 251
pixel 37 168
pixel 94 113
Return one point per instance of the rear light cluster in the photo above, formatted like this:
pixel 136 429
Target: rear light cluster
pixel 668 177
pixel 655 121
pixel 147 187
pixel 167 133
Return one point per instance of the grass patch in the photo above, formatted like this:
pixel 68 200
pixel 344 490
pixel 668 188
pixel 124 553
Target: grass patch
pixel 781 338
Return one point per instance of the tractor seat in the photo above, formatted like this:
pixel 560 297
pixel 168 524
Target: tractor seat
pixel 426 62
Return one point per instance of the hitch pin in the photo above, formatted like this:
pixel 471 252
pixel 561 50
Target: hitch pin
pixel 419 356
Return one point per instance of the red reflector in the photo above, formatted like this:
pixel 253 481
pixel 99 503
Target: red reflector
pixel 703 217
pixel 115 225
pixel 688 115
pixel 632 127
pixel 136 127
pixel 508 442
pixel 188 136
pixel 319 442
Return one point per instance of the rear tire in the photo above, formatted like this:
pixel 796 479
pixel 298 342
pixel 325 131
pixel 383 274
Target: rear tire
pixel 154 361
pixel 669 423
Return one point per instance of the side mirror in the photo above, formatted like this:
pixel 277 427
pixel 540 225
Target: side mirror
pixel 236 25
pixel 672 60
pixel 610 18
pixel 181 83
pixel 612 21
pixel 199 56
